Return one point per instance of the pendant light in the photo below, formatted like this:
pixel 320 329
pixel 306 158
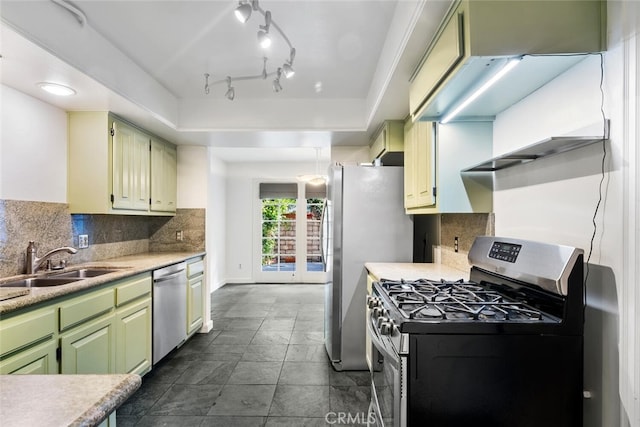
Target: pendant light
pixel 314 179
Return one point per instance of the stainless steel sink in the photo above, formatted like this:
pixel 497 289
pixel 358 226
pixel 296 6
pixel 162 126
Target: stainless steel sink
pixel 39 282
pixel 57 279
pixel 84 273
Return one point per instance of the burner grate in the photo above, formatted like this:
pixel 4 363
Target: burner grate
pixel 456 301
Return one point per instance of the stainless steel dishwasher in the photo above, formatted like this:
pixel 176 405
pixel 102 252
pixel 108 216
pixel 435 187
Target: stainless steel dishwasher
pixel 169 309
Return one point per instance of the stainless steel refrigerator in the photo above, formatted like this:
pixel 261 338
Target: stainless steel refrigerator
pixel 363 221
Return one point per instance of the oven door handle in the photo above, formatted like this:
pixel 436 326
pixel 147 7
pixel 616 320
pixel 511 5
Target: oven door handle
pixel 388 354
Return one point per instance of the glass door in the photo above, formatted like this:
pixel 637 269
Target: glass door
pixel 278 227
pixel 290 233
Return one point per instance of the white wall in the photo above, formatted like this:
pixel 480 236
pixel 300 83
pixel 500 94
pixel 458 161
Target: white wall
pixel 554 200
pixel 347 155
pixel 216 221
pixel 33 149
pixel 193 177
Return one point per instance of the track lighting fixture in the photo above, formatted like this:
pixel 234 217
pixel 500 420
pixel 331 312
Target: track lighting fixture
pixel 231 92
pixel 243 13
pixel 276 82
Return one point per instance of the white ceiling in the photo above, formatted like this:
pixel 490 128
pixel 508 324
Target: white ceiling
pixel 146 61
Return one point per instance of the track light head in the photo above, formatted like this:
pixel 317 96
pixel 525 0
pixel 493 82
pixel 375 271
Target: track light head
pixel 276 82
pixel 231 92
pixel 243 12
pixel 263 39
pixel 263 35
pixel 288 70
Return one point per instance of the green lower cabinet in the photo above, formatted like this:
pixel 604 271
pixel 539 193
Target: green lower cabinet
pixel 110 421
pixel 40 360
pixel 90 348
pixel 195 312
pixel 133 332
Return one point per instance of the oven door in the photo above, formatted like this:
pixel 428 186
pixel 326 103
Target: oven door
pixel 388 381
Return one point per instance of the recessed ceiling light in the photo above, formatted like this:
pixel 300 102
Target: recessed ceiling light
pixel 56 89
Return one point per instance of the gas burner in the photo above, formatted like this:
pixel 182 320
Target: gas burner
pixel 455 301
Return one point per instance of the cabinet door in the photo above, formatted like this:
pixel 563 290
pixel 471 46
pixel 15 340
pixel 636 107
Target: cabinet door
pixel 130 168
pixel 195 292
pixel 164 163
pixel 141 171
pixel 133 331
pixel 425 164
pixel 90 348
pixel 410 199
pixel 444 55
pixel 40 360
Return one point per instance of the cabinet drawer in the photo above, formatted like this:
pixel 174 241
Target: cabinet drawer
pixel 195 268
pixel 445 55
pixel 132 289
pixel 22 330
pixel 40 360
pixel 85 307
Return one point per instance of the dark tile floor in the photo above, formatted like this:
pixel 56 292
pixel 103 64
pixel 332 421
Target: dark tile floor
pixel 263 364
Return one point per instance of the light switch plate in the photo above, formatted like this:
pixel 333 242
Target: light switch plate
pixel 83 241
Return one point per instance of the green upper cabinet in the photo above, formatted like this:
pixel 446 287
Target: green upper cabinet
pixel 114 170
pixel 440 153
pixel 164 161
pixel 419 166
pixel 388 143
pixel 477 38
pixel 130 154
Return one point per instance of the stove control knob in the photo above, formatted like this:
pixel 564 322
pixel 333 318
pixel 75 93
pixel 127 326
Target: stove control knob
pixel 372 302
pixel 377 312
pixel 386 328
pixel 381 321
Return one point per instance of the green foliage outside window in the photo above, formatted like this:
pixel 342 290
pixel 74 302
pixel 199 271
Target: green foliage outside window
pixel 273 211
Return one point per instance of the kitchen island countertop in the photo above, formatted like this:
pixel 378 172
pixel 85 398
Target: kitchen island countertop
pixel 63 400
pixel 126 265
pixel 413 271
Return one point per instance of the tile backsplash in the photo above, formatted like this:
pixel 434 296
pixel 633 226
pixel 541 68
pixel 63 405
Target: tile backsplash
pixel 51 225
pixel 466 227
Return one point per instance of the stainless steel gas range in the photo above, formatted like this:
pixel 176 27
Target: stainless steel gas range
pixel 502 349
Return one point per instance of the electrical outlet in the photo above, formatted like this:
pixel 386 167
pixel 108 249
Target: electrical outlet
pixel 83 241
pixel 455 244
pixel 179 236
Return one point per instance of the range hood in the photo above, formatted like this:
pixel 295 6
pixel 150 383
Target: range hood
pixel 541 149
pixel 531 73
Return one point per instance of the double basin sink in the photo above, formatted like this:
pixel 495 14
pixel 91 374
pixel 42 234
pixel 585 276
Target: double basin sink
pixel 57 279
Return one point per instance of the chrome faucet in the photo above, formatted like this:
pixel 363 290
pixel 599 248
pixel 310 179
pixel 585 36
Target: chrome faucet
pixel 33 262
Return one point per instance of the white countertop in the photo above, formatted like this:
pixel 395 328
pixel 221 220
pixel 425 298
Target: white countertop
pixel 413 271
